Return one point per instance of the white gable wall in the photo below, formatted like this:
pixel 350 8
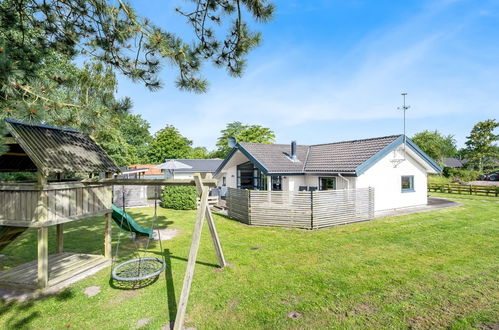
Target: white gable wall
pixel 386 180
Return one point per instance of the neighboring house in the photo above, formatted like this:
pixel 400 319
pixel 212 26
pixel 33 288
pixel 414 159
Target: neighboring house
pixel 151 171
pixel 398 173
pixel 202 166
pixel 455 162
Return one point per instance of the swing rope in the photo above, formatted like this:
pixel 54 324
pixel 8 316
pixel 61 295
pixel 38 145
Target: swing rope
pixel 141 267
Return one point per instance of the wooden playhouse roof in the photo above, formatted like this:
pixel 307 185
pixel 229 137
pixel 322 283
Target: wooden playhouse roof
pixel 34 147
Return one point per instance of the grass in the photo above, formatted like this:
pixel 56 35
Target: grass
pixel 464 196
pixel 429 270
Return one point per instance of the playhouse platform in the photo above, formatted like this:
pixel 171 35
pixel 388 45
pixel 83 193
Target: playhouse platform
pixel 63 269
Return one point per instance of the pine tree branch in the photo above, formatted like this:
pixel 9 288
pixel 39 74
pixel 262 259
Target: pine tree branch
pixel 27 90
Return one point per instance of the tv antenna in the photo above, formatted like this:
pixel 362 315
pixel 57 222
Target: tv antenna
pixel 404 108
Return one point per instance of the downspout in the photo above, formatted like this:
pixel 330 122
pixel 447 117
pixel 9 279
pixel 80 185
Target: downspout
pixel 348 182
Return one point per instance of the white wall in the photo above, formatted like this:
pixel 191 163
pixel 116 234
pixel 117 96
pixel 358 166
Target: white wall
pixel 294 182
pixel 188 175
pixel 386 180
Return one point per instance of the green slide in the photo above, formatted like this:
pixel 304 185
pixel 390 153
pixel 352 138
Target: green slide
pixel 8 234
pixel 126 222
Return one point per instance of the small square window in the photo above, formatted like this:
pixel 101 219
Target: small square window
pixel 327 183
pixel 407 183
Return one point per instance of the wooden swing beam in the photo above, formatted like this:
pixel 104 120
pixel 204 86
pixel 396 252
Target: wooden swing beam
pixel 202 187
pixel 208 182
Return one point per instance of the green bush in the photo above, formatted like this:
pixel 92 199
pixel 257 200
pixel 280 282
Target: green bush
pixel 460 174
pixel 438 178
pixel 179 198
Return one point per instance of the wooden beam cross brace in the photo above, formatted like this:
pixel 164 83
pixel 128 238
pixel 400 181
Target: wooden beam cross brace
pixel 203 211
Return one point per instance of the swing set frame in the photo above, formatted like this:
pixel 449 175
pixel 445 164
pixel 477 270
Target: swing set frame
pixel 203 212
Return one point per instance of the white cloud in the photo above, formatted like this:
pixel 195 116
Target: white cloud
pixel 425 56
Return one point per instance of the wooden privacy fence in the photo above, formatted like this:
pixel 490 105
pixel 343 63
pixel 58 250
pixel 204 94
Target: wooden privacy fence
pixel 28 205
pixel 301 209
pixel 464 189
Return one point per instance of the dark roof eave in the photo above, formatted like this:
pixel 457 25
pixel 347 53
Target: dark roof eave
pixel 248 155
pixel 362 168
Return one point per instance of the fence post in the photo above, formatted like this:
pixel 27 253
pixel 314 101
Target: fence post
pixel 249 206
pixel 371 203
pixel 311 210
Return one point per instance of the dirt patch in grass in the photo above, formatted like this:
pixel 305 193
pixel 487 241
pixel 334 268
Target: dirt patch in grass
pixel 362 309
pixel 122 296
pixel 232 304
pixel 291 300
pixel 92 291
pixel 294 315
pixel 142 322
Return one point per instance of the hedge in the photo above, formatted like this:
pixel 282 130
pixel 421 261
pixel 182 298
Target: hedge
pixel 179 198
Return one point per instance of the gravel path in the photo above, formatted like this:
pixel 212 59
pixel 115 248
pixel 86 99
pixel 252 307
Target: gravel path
pixel 483 183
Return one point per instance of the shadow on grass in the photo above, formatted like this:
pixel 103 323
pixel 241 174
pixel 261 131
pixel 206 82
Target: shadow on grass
pixel 131 285
pixel 170 288
pixel 185 259
pixel 20 310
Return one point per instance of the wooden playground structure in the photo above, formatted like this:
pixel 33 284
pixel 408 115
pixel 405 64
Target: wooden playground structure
pixel 52 151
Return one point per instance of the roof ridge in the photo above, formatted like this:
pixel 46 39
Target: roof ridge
pixel 275 144
pixel 25 123
pixel 358 140
pixel 306 159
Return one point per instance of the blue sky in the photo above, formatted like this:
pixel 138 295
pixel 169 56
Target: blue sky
pixel 334 70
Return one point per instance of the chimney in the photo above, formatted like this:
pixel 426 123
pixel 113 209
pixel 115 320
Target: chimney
pixel 293 151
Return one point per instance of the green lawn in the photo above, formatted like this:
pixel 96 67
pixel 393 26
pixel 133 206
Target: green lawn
pixel 430 270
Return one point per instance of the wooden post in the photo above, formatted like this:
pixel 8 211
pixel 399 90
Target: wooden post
pixel 191 263
pixel 311 210
pixel 107 235
pixel 60 238
pixel 211 224
pixel 108 249
pixel 43 271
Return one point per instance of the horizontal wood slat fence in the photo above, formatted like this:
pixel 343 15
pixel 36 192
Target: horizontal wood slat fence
pixel 32 206
pixel 301 209
pixel 464 189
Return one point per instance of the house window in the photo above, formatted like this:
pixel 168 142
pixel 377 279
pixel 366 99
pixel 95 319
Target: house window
pixel 327 183
pixel 245 176
pixel 250 177
pixel 224 181
pixel 277 182
pixel 407 183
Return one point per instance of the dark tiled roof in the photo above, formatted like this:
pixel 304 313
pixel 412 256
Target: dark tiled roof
pixel 338 157
pixel 454 162
pixel 60 150
pixel 199 165
pixel 344 157
pixel 275 157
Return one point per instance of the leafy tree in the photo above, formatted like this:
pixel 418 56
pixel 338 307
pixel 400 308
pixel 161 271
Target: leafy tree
pixel 480 146
pixel 135 131
pixel 3 146
pixel 168 143
pixel 436 145
pixel 242 133
pixel 199 153
pixel 112 33
pixel 68 96
pixel 39 40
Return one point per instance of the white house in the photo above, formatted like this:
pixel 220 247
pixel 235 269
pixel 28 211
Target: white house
pixel 202 166
pixel 396 170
